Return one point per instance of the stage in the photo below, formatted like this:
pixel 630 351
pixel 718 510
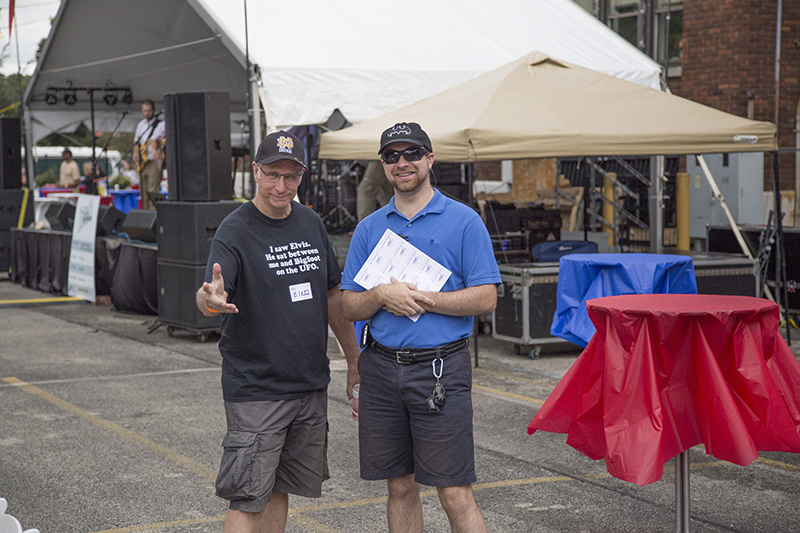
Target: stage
pixel 124 270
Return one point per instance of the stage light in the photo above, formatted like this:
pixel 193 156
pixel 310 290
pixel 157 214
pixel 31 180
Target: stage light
pixel 51 96
pixel 127 97
pixel 70 97
pixel 110 98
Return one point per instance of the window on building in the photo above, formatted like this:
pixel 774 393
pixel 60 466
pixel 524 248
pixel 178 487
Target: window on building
pixel 588 5
pixel 623 18
pixel 674 43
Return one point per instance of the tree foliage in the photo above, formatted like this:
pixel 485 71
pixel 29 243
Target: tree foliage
pixel 11 90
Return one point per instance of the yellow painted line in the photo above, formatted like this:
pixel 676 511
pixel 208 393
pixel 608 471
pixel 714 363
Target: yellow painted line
pixel 294 512
pixel 600 475
pixel 118 430
pixel 778 464
pixel 54 299
pixel 508 394
pixel 515 378
pixel 516 482
pixel 158 449
pixel 294 517
pixel 165 525
pixel 339 505
pixel 308 523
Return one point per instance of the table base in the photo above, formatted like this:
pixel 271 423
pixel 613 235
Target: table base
pixel 682 492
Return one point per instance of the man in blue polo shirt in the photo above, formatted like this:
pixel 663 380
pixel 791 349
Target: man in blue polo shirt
pixel 415 401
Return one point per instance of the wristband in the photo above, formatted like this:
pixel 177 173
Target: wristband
pixel 212 310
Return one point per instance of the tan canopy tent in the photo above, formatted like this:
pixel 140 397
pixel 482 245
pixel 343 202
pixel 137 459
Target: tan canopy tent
pixel 538 106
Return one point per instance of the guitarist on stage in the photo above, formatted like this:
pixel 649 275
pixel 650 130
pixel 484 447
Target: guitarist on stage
pixel 148 145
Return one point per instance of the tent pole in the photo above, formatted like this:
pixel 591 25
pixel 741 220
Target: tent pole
pixel 780 249
pixel 27 131
pixel 94 138
pixel 255 124
pixel 254 137
pixel 796 210
pixel 656 202
pixel 718 195
pixel 734 226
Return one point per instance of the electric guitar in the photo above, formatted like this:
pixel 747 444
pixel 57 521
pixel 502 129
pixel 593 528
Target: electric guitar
pixel 143 159
pixel 143 147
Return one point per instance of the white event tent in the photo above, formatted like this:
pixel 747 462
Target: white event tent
pixel 362 57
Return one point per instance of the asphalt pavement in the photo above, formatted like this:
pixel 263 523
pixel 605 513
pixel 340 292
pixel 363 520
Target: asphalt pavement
pixel 107 426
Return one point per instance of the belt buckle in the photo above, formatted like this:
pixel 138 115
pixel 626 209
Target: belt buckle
pixel 398 353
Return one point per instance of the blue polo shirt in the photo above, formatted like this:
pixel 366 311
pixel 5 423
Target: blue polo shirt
pixel 449 232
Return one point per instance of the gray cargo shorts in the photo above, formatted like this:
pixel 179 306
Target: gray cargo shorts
pixel 274 445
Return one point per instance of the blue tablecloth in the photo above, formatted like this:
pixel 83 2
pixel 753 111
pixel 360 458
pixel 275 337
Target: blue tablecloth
pixel 583 277
pixel 125 200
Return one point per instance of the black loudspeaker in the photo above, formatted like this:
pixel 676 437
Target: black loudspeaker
pixel 60 215
pixel 456 191
pixel 722 239
pixel 5 250
pixel 10 154
pixel 449 174
pixel 109 220
pixel 198 131
pixel 185 229
pixel 140 225
pixel 177 286
pixel 12 208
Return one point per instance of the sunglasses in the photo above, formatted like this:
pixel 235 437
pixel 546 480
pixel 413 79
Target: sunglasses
pixel 390 157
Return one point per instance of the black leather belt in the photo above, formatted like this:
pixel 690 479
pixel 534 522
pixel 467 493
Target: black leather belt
pixel 410 355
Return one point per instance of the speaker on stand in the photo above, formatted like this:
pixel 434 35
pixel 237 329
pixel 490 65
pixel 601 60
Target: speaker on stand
pixel 199 175
pixel 198 136
pixel 109 220
pixel 140 225
pixel 185 231
pixel 60 215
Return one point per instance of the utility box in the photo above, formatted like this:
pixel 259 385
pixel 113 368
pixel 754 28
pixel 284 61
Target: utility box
pixel 526 303
pixel 740 178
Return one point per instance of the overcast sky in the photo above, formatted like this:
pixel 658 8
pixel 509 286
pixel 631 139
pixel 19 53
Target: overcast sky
pixel 32 20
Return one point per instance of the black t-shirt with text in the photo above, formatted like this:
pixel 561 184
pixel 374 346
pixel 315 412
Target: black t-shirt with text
pixel 277 272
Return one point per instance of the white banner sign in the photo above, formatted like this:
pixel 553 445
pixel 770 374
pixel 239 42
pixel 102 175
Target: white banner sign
pixel 81 255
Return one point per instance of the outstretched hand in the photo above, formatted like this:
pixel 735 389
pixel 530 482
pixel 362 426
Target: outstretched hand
pixel 213 295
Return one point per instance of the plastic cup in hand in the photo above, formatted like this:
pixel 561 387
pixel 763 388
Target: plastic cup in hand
pixel 354 410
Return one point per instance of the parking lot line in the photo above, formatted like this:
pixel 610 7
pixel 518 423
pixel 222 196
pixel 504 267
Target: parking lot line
pixel 515 396
pixel 164 525
pixel 515 378
pixel 26 302
pixel 120 431
pixel 158 449
pixel 296 517
pixel 296 513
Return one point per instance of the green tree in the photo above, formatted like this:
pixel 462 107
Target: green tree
pixel 10 97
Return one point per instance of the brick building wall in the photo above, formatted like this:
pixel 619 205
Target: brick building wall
pixel 729 51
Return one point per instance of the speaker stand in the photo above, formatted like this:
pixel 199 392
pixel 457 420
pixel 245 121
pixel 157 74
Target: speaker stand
pixel 203 334
pixel 339 217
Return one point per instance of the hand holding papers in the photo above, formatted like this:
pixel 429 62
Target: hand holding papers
pixel 393 257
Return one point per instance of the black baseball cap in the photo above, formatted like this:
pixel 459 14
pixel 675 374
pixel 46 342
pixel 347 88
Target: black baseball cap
pixel 280 145
pixel 405 132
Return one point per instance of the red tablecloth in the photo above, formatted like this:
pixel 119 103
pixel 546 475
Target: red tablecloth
pixel 665 372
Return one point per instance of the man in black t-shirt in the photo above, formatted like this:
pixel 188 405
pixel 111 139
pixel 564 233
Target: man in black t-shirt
pixel 272 271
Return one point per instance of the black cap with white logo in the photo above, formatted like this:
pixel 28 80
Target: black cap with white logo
pixel 280 145
pixel 405 132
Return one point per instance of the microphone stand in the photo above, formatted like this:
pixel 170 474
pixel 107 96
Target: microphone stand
pixel 95 166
